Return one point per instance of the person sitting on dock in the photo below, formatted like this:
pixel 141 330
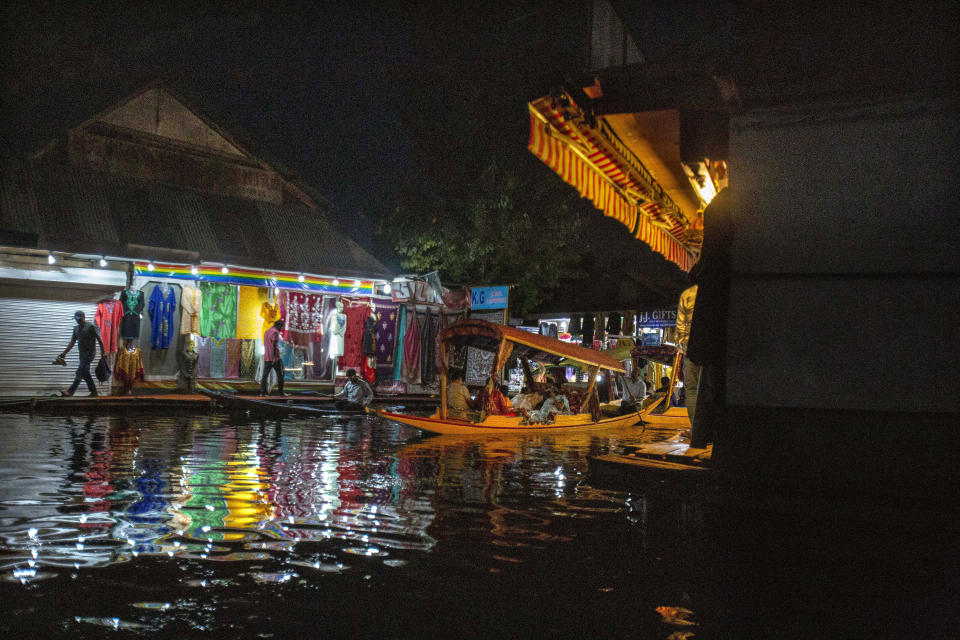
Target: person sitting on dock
pixel 88 337
pixel 356 393
pixel 459 401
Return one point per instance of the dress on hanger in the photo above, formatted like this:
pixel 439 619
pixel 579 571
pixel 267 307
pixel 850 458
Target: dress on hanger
pixel 109 313
pixel 129 368
pixel 132 301
pixel 336 328
pixel 161 309
pixel 190 302
pixel 218 357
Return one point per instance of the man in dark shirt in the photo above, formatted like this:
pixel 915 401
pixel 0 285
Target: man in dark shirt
pixel 87 337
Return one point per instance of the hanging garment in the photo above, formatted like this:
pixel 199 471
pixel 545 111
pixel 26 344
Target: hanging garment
pixel 369 342
pixel 357 312
pixel 202 345
pixel 613 324
pixel 161 309
pixel 598 327
pixel 336 329
pixel 128 368
pixel 554 332
pixel 586 334
pixel 107 318
pixel 367 372
pixel 218 313
pixel 628 326
pixel 479 366
pixel 304 321
pixel 132 308
pixel 575 323
pixel 398 347
pixel 249 322
pixel 234 350
pixel 386 336
pixel 269 313
pixel 437 351
pixel 218 357
pixel 293 359
pixel 428 338
pixel 321 363
pixel 411 349
pixel 190 303
pixel 248 358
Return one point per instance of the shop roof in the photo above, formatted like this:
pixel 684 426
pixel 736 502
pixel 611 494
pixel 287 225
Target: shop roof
pixel 61 208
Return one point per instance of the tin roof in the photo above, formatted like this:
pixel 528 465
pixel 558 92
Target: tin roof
pixel 61 208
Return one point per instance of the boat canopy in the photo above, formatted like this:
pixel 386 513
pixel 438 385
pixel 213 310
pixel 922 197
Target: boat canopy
pixel 507 341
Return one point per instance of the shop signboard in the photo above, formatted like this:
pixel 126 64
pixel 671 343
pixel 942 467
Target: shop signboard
pixel 657 318
pixel 255 278
pixel 488 297
pixel 416 291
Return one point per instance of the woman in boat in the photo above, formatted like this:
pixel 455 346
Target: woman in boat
pixel 555 404
pixel 494 401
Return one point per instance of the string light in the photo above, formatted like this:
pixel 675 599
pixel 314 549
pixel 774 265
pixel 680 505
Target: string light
pixel 103 261
pixel 336 282
pixel 224 270
pixel 150 266
pixel 194 270
pixel 300 278
pixel 51 259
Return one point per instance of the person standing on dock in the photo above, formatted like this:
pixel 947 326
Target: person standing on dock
pixel 271 357
pixel 356 393
pixel 691 370
pixel 87 337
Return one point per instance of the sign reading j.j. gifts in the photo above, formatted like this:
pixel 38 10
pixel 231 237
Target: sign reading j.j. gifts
pixel 656 318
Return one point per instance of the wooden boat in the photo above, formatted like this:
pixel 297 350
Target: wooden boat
pixel 661 413
pixel 256 405
pixel 508 343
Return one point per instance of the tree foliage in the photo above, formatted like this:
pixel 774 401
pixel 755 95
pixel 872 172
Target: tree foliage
pixel 510 228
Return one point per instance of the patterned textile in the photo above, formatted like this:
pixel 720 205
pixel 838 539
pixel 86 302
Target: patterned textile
pixel 386 339
pixel 191 301
pixel 357 312
pixel 218 357
pixel 321 363
pixel 249 322
pixel 218 314
pixel 437 357
pixel 202 345
pixel 368 345
pixel 479 366
pixel 161 309
pixel 304 319
pixel 132 308
pixel 398 349
pixel 248 358
pixel 292 358
pixel 411 349
pixel 234 349
pixel 107 319
pixel 128 368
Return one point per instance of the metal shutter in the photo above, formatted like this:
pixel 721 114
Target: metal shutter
pixel 35 326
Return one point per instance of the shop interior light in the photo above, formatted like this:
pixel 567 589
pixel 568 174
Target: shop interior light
pixel 150 266
pixel 51 259
pixel 103 261
pixel 276 291
pixel 194 270
pixel 224 270
pixel 300 278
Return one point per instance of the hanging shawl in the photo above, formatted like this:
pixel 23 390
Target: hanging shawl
pixel 357 312
pixel 628 329
pixel 427 344
pixel 575 323
pixel 398 349
pixel 587 332
pixel 437 352
pixel 386 334
pixel 613 324
pixel 411 350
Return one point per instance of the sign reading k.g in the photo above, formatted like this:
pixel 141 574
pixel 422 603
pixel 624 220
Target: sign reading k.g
pixel 488 297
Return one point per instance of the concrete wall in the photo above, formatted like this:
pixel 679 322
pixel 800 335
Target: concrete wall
pixel 847 257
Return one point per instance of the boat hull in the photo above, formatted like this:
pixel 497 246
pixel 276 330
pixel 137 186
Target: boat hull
pixel 673 417
pixel 508 424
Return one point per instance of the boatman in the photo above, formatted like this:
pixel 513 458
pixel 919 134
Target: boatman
pixel 356 393
pixel 87 337
pixel 634 389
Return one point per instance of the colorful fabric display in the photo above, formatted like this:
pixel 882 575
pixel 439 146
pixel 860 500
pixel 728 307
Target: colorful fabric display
pixel 356 311
pixel 234 349
pixel 398 348
pixel 191 301
pixel 202 345
pixel 386 337
pixel 218 357
pixel 132 302
pixel 218 314
pixel 248 358
pixel 411 349
pixel 304 320
pixel 249 322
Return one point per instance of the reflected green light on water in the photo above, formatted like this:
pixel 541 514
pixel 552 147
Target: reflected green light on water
pixel 207 524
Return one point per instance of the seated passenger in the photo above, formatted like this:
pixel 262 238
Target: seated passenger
pixel 525 401
pixel 495 402
pixel 458 397
pixel 555 404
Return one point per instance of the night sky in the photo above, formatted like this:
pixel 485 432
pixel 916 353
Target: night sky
pixel 365 101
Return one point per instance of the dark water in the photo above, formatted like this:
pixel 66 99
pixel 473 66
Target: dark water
pixel 206 527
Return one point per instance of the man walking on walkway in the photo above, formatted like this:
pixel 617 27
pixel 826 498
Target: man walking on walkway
pixel 86 336
pixel 271 357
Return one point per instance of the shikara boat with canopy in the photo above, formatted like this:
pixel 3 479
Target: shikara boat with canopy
pixel 507 344
pixel 662 413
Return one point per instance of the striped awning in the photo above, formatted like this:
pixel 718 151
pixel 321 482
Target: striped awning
pixel 615 182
